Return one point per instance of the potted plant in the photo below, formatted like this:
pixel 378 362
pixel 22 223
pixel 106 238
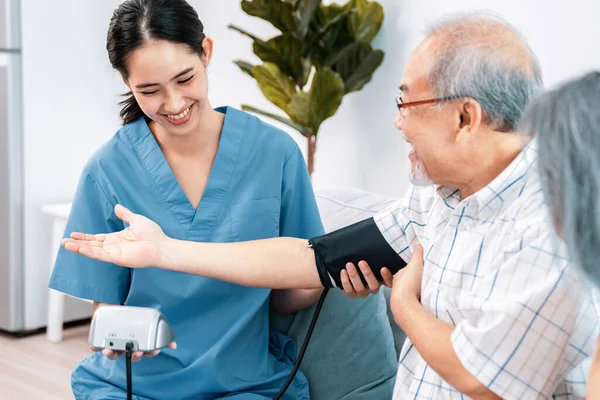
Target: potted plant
pixel 321 54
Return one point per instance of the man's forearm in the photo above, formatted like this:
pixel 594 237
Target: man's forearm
pixel 278 263
pixel 432 339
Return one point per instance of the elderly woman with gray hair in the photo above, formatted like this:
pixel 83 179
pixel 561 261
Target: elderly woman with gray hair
pixel 567 123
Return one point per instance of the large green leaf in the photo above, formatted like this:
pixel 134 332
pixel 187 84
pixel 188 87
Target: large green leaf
pixel 299 109
pixel 276 86
pixel 278 13
pixel 356 64
pixel 245 67
pixel 285 51
pixel 365 23
pixel 321 102
pixel 326 93
pixel 330 25
pixel 307 11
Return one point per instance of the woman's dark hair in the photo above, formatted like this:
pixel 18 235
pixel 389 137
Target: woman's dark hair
pixel 135 22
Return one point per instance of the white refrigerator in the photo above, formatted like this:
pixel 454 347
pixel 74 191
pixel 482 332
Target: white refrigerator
pixel 11 171
pixel 58 104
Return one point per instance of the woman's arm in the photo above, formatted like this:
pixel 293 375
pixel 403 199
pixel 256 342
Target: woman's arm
pixel 278 263
pixel 299 217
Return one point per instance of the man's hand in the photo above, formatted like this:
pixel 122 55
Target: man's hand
pixel 407 282
pixel 353 285
pixel 430 336
pixel 137 246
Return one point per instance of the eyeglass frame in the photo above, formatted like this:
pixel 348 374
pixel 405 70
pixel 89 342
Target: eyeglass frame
pixel 400 104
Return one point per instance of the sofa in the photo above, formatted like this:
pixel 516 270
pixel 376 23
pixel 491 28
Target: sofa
pixel 353 353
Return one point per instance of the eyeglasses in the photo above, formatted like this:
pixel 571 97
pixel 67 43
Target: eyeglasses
pixel 401 104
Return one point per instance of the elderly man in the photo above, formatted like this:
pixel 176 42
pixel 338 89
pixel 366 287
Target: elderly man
pixel 495 308
pixel 488 301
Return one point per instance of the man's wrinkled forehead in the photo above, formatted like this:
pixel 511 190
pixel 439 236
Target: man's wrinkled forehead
pixel 418 63
pixel 414 77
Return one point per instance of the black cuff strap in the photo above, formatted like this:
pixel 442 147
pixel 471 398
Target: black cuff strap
pixel 361 241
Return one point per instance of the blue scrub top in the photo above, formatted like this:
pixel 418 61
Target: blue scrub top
pixel 258 188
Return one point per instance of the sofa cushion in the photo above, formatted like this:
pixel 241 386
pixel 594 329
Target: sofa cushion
pixel 343 207
pixel 352 353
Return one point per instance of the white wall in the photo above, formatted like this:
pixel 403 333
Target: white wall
pixel 71 94
pixel 359 145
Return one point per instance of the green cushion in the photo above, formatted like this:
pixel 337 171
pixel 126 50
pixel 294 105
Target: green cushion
pixel 351 354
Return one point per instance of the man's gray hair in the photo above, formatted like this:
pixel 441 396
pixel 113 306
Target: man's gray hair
pixel 566 122
pixel 484 57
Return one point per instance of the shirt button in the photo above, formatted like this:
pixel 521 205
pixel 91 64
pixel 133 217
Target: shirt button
pixel 442 287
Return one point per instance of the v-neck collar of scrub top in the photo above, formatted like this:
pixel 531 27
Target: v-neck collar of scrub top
pixel 203 219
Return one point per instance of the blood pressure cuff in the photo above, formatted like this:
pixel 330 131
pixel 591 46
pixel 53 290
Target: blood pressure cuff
pixel 361 241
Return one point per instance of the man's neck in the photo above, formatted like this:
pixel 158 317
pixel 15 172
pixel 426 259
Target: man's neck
pixel 493 157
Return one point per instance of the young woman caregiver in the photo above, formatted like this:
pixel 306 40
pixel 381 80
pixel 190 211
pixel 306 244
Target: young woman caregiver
pixel 204 174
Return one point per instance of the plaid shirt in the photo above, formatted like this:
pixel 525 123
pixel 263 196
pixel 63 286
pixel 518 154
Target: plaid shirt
pixel 524 322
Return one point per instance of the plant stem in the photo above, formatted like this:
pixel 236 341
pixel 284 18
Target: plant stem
pixel 312 148
pixel 283 120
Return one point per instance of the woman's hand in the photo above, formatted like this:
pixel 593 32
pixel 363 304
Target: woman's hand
pixel 137 246
pixel 136 356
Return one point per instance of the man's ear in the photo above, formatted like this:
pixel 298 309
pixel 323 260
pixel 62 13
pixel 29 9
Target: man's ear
pixel 470 118
pixel 207 51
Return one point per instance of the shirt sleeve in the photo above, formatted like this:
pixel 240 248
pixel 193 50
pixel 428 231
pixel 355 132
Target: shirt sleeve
pixel 300 216
pixel 77 275
pixel 402 222
pixel 528 312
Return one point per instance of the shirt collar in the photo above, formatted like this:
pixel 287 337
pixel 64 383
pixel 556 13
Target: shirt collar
pixel 505 187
